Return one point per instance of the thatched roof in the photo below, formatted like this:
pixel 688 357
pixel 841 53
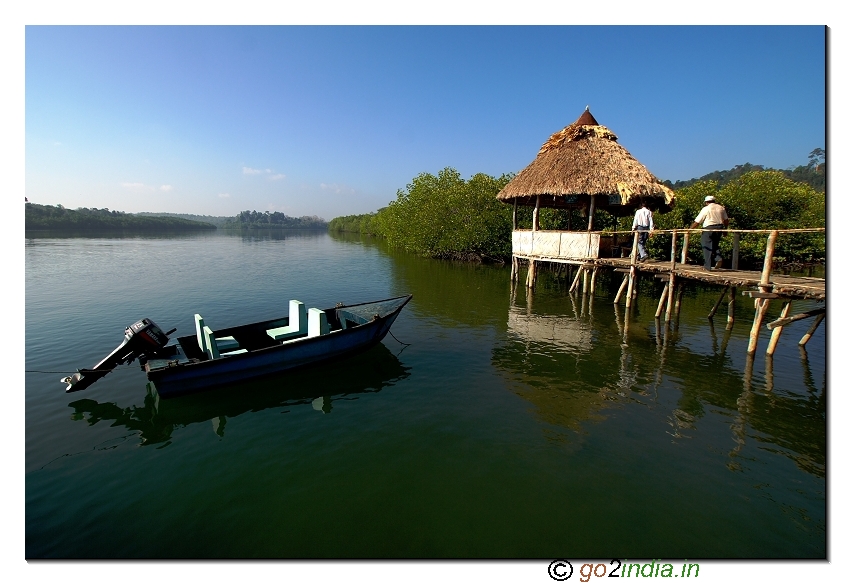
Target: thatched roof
pixel 585 159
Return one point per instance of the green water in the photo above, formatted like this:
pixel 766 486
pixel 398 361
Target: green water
pixel 507 425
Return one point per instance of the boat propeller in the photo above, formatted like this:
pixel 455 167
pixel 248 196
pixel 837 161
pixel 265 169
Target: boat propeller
pixel 144 338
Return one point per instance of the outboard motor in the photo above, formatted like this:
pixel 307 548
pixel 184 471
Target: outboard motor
pixel 142 338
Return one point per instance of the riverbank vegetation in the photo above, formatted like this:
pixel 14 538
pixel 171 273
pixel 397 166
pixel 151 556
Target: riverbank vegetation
pixel 446 216
pixel 58 219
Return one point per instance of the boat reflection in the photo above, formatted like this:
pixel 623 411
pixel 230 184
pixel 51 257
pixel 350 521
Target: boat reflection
pixel 156 420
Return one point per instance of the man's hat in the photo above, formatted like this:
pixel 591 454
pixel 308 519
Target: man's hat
pixel 709 198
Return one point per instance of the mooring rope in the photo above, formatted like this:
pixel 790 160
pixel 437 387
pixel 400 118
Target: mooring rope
pixel 397 340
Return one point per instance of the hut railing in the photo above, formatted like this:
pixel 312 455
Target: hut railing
pixel 581 246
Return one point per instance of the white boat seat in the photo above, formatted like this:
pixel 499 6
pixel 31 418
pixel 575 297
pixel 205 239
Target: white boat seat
pixel 213 350
pixel 224 343
pixel 297 323
pixel 317 323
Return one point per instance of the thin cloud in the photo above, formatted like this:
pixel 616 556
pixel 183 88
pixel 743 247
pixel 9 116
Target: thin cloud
pixel 336 188
pixel 224 195
pixel 277 176
pixel 136 186
pixel 166 188
pixel 247 170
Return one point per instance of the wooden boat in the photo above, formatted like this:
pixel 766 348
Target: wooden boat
pixel 210 359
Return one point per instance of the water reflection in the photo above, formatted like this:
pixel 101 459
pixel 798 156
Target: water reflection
pixel 574 367
pixel 157 420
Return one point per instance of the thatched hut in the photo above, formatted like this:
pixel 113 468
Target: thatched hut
pixel 580 167
pixel 583 166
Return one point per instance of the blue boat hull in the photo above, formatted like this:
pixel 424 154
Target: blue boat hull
pixel 198 376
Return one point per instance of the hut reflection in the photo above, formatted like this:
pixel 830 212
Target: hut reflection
pixel 573 370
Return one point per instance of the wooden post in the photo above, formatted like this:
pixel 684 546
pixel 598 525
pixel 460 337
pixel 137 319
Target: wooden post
pixel 717 305
pixel 761 308
pixel 661 300
pixel 811 331
pixel 672 283
pixel 620 291
pixel 679 299
pixel 535 219
pixel 673 251
pixel 590 213
pixel 632 271
pixel 777 332
pixel 764 285
pixel 515 214
pixel 574 286
pixel 531 277
pixel 685 241
pixel 593 281
pixel 768 373
pixel 730 318
pixel 736 247
pixel 584 283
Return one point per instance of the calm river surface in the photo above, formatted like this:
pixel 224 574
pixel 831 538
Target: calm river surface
pixel 511 426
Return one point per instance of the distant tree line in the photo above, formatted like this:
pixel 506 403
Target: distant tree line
pixel 217 221
pixel 449 217
pixel 57 218
pixel 273 220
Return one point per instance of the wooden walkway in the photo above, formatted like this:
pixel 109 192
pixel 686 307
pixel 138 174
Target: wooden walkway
pixel 784 286
pixel 763 286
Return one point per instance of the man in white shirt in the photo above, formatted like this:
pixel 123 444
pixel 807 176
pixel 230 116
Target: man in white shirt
pixel 644 225
pixel 713 218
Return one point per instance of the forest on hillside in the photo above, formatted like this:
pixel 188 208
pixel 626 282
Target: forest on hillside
pixel 38 217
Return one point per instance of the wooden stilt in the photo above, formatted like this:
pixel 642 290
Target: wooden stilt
pixel 764 285
pixel 768 373
pixel 672 286
pixel 585 286
pixel 678 307
pixel 777 331
pixel 717 304
pixel 685 241
pixel 663 298
pixel 574 286
pixel 513 268
pixel 632 271
pixel 620 291
pixel 761 309
pixel 730 318
pixel 807 336
pixel 748 371
pixel 593 281
pixel 531 277
pixel 515 201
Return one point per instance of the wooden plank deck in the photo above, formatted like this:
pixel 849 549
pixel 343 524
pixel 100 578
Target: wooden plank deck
pixel 786 286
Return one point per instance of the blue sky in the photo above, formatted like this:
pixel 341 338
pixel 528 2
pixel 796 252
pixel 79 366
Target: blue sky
pixel 333 120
